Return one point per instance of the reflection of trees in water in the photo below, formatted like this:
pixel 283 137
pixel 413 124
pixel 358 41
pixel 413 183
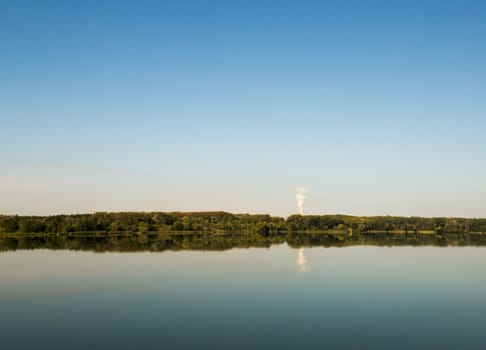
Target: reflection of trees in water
pixel 198 241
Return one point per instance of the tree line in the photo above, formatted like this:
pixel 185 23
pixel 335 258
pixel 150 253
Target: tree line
pixel 223 222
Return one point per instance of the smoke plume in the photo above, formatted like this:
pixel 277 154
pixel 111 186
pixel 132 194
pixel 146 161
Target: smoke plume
pixel 301 195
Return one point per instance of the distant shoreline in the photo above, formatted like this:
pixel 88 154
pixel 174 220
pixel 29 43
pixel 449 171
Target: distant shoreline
pixel 219 223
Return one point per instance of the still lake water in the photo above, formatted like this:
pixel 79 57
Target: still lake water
pixel 358 297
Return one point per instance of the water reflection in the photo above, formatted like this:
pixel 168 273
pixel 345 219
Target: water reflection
pixel 302 265
pixel 209 242
pixel 360 297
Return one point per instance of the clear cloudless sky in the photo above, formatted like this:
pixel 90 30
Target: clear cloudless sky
pixel 376 107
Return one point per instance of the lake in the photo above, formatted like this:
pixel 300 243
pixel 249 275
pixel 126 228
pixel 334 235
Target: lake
pixel 279 297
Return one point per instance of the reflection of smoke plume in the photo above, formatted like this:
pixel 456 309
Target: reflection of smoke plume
pixel 301 195
pixel 302 261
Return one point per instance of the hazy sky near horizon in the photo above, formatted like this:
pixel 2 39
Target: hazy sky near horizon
pixel 376 107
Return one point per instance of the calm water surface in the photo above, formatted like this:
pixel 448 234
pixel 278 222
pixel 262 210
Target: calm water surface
pixel 316 298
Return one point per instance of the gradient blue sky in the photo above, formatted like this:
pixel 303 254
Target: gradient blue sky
pixel 377 107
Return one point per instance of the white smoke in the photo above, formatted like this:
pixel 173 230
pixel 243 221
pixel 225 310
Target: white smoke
pixel 301 195
pixel 302 261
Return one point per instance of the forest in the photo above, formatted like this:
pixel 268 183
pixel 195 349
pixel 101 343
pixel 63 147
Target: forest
pixel 223 223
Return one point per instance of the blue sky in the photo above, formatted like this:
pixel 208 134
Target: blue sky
pixel 377 107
